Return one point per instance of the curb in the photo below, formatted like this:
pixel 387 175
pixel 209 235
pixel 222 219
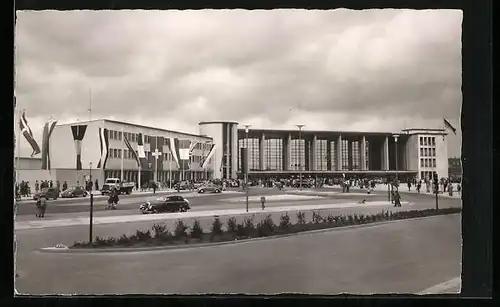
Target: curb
pixel 67 250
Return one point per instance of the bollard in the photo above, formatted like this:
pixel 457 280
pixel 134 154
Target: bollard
pixel 263 201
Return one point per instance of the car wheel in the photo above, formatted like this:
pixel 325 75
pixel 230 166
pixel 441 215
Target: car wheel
pixel 155 210
pixel 201 191
pixel 85 194
pixel 217 191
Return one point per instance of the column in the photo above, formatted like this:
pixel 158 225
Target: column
pixel 385 154
pixel 228 150
pixel 262 152
pixel 306 154
pixel 363 153
pixel 312 164
pixel 328 155
pixel 234 151
pixel 339 152
pixel 349 155
pixel 288 152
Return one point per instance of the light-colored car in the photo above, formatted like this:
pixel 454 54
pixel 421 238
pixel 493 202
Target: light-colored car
pixel 209 188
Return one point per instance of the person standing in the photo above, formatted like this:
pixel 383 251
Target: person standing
pixel 96 185
pixel 58 184
pixel 65 186
pixel 409 185
pixel 51 184
pixel 43 206
pixel 37 186
pixel 397 199
pixel 419 186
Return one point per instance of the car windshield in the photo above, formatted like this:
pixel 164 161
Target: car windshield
pixel 45 190
pixel 74 187
pixel 111 181
pixel 162 198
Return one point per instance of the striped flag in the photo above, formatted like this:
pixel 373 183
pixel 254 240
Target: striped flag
pixel 141 154
pixel 78 135
pixel 26 131
pixel 132 151
pixel 47 132
pixel 448 125
pixel 104 142
pixel 206 159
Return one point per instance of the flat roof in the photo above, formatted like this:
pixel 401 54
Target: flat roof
pixel 218 122
pixel 138 125
pixel 278 131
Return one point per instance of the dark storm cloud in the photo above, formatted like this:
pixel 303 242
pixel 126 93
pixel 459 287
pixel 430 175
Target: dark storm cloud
pixel 332 69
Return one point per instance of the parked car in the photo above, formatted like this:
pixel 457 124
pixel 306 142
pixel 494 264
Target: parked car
pixel 183 185
pixel 305 184
pixel 48 193
pixel 74 191
pixel 210 188
pixel 166 204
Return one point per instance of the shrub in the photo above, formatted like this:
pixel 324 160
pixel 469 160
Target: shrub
pixel 266 227
pixel 285 221
pixel 196 230
pixel 330 219
pixel 350 220
pixel 180 229
pixel 232 226
pixel 216 227
pixel 159 229
pixel 301 218
pixel 143 235
pixel 246 227
pixel 317 218
pixel 123 240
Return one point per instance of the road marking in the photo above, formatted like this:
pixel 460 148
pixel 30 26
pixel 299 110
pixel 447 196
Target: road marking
pixel 274 197
pixel 37 224
pixel 450 286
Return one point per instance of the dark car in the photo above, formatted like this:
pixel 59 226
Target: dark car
pixel 166 204
pixel 183 185
pixel 48 193
pixel 74 191
pixel 305 184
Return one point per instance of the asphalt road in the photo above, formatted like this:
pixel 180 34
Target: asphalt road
pixel 399 257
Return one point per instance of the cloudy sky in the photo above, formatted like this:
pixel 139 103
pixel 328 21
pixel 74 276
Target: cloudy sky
pixel 372 70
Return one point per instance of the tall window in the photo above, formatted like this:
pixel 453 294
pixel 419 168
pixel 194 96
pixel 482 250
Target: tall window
pixel 421 152
pixel 345 154
pixel 333 154
pixel 297 159
pixel 422 163
pixel 421 141
pixel 433 141
pixel 321 155
pixel 273 154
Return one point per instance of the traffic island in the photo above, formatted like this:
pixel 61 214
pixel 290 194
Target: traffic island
pixel 184 236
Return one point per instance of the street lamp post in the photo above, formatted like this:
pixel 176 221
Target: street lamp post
pixel 247 129
pixel 91 206
pixel 206 168
pixel 396 141
pixel 300 157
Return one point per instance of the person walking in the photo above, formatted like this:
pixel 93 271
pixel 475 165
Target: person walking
pixel 154 187
pixel 58 184
pixel 65 186
pixel 397 199
pixel 409 185
pixel 96 185
pixel 51 184
pixel 37 186
pixel 419 186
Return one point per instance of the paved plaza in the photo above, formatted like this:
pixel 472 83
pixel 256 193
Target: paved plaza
pixel 294 264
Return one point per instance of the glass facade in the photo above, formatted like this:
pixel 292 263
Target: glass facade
pixel 297 156
pixel 333 155
pixel 273 154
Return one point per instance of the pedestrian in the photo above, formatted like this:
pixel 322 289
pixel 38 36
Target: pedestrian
pixel 427 186
pixel 419 186
pixel 409 185
pixel 37 186
pixel 65 186
pixel 397 199
pixel 450 189
pixel 459 188
pixel 96 185
pixel 43 206
pixel 51 184
pixel 58 184
pixel 154 187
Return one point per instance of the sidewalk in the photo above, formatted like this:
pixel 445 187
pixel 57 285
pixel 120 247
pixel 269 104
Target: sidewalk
pixel 402 189
pixel 183 215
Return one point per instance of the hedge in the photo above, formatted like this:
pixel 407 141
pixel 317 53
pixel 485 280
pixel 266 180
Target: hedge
pixel 159 234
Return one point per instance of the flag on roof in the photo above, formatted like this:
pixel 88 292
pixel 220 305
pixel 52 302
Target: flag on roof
pixel 26 131
pixel 448 125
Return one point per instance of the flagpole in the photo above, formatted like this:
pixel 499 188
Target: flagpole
pixel 121 167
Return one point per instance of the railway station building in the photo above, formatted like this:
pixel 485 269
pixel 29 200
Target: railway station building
pixel 96 147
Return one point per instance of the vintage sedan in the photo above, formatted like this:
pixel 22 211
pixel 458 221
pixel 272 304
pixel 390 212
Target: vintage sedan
pixel 166 204
pixel 74 191
pixel 48 193
pixel 209 188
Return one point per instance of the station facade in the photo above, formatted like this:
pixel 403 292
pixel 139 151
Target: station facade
pixel 215 152
pixel 412 153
